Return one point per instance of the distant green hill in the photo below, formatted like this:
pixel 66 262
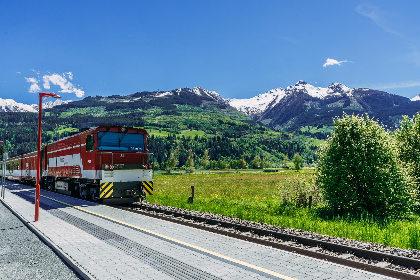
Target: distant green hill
pixel 188 124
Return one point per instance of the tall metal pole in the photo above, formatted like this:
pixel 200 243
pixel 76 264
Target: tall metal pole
pixel 3 171
pixel 38 169
pixel 3 176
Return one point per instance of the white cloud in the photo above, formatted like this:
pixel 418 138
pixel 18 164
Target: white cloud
pixel 61 81
pixel 36 72
pixel 387 21
pixel 379 17
pixel 34 85
pixel 331 62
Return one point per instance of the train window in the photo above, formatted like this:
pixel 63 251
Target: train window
pixel 89 143
pixel 112 141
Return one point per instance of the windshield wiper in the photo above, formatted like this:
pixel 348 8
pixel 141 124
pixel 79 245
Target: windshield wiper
pixel 121 139
pixel 106 131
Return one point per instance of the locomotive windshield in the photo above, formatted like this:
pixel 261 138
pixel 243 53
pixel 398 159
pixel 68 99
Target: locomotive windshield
pixel 112 141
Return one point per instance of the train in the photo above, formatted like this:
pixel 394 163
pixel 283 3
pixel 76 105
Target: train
pixel 107 164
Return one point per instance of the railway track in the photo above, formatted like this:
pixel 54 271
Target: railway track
pixel 368 260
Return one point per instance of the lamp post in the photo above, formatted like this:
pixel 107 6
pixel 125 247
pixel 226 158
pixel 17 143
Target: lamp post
pixel 3 164
pixel 38 170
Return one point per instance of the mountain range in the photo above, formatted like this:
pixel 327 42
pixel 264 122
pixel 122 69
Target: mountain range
pixel 9 105
pixel 295 106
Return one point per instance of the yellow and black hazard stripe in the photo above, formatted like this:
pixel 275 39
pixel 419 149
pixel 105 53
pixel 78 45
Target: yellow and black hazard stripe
pixel 148 187
pixel 106 190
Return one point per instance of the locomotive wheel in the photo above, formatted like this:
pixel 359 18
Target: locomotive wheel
pixel 82 192
pixel 92 197
pixel 50 185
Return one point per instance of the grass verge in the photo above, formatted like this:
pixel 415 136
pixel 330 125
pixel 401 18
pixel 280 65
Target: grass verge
pixel 280 199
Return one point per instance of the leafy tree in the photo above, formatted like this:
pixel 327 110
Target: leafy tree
pixel 359 171
pixel 297 161
pixel 242 163
pixel 222 164
pixel 256 162
pixel 205 159
pixel 266 163
pixel 172 160
pixel 2 150
pixel 156 166
pixel 285 160
pixel 189 164
pixel 408 138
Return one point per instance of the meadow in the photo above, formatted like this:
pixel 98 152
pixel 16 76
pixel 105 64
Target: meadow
pixel 280 199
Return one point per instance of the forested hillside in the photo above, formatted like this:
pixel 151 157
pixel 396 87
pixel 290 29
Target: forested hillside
pixel 188 135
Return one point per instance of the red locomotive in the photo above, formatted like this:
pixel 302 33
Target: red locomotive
pixel 106 163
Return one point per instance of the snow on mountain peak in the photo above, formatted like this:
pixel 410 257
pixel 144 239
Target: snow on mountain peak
pixel 313 91
pixel 9 105
pixel 259 103
pixel 207 93
pixel 338 88
pixel 196 90
pixel 262 102
pixel 416 98
pixel 50 104
pixel 301 83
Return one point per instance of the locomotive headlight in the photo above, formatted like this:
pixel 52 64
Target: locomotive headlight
pixel 106 166
pixel 111 167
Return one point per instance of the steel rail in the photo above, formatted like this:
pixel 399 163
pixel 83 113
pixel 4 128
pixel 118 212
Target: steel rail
pixel 362 253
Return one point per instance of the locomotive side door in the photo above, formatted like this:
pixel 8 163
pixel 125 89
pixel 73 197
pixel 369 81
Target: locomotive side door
pixel 88 157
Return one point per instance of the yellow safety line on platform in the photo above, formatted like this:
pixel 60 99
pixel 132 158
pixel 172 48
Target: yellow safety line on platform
pixel 191 246
pixel 273 273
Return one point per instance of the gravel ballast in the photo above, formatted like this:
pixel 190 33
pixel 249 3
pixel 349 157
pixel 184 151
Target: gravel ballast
pixel 24 256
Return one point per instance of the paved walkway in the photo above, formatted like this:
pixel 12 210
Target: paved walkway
pixel 108 243
pixel 23 255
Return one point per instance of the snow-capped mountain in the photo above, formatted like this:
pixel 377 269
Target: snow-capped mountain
pixel 258 104
pixel 416 98
pixel 280 108
pixel 289 108
pixel 9 105
pixel 319 92
pixel 208 94
pixel 305 104
pixel 198 91
pixel 51 104
pixel 265 101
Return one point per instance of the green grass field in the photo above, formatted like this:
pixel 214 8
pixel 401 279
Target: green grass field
pixel 279 199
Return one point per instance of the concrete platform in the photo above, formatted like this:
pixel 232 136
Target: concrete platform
pixel 24 256
pixel 108 243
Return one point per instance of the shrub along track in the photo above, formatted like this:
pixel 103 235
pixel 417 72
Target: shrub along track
pixel 392 262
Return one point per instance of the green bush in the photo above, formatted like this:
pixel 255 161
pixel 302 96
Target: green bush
pixel 358 169
pixel 297 161
pixel 408 138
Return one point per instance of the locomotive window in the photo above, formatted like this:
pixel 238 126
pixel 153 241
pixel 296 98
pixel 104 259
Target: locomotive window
pixel 112 141
pixel 89 143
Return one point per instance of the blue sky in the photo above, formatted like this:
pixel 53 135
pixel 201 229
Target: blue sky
pixel 236 48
